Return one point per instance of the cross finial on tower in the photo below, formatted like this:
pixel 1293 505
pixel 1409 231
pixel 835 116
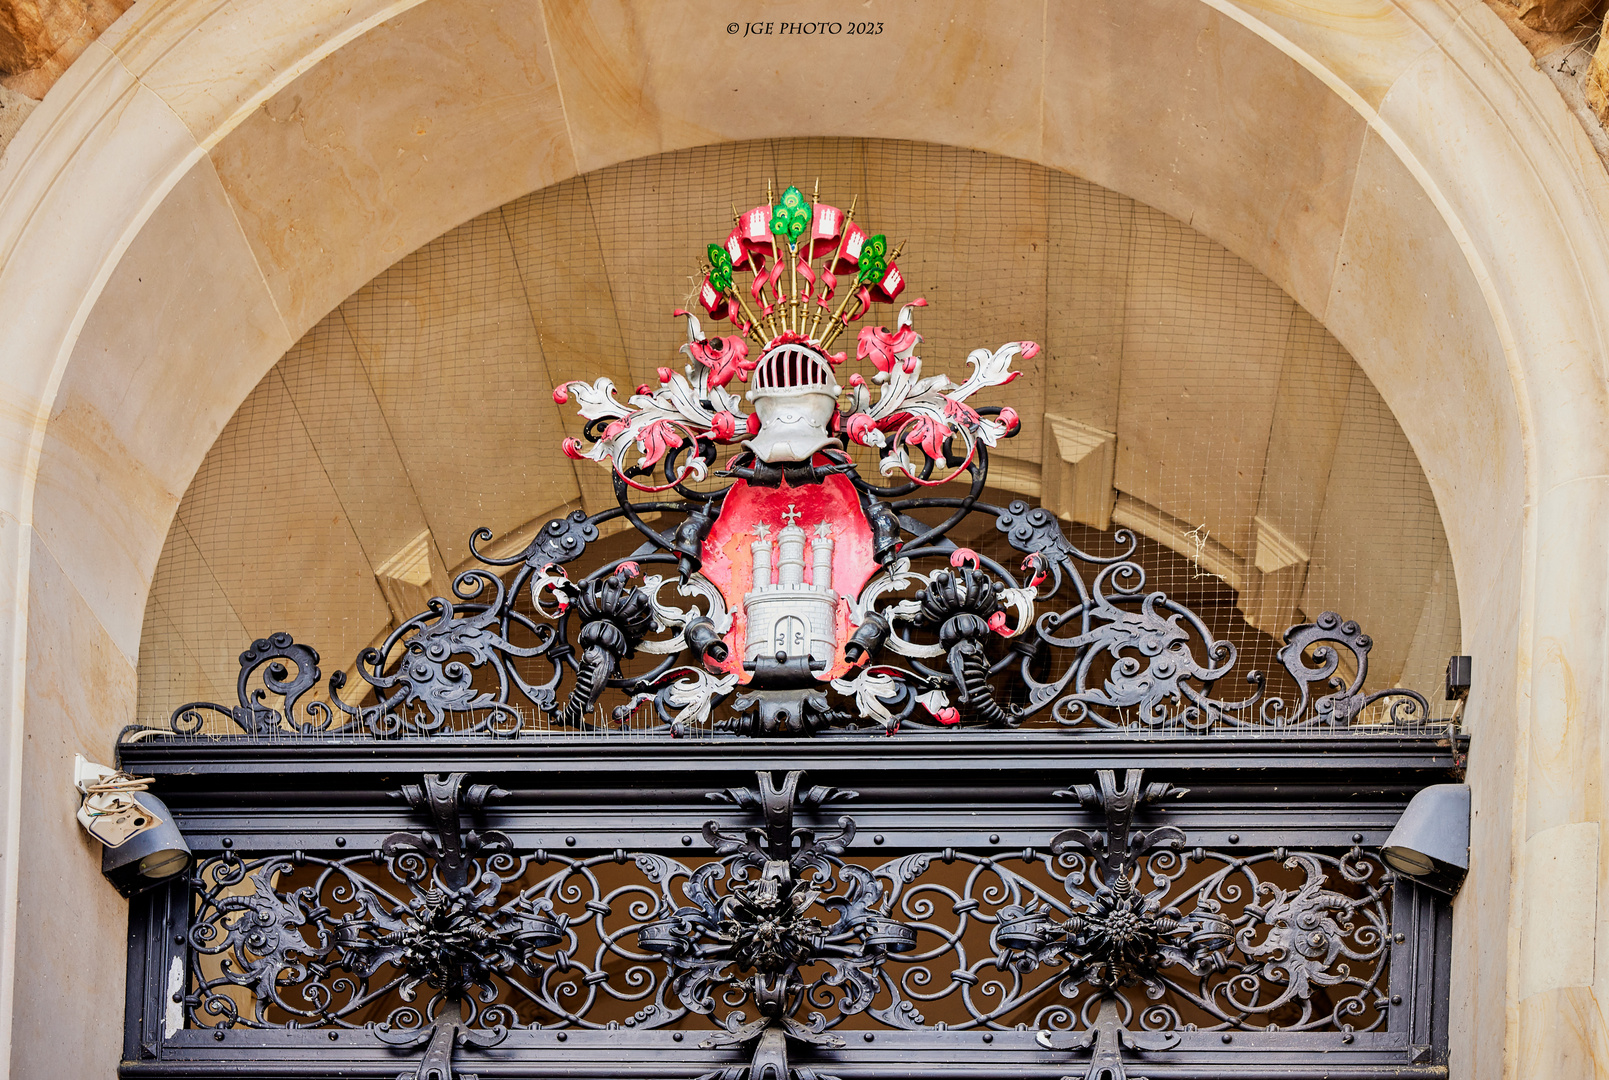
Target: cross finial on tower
pixel 792 516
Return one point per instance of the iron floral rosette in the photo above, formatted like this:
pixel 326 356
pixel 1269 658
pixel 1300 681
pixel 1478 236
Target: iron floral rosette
pixel 439 928
pixel 1119 935
pixel 759 939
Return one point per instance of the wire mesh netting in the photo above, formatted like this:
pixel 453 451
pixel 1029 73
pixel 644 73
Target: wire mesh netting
pixel 1179 394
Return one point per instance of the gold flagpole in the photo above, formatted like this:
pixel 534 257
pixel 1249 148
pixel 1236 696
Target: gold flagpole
pixel 754 325
pixel 834 329
pixel 776 292
pixel 800 311
pixel 793 282
pixel 832 323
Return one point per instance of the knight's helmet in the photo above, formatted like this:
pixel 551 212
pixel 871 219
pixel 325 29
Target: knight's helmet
pixel 795 395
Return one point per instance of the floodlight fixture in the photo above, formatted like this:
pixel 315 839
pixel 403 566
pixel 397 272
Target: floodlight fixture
pixel 141 846
pixel 1431 840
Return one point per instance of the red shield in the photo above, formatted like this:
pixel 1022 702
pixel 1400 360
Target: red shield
pixel 729 562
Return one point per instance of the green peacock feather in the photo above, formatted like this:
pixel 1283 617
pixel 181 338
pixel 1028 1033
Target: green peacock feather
pixel 720 268
pixel 791 216
pixel 873 260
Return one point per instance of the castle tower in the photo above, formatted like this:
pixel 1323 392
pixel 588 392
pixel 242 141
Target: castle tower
pixel 821 555
pixel 790 552
pixel 785 613
pixel 761 550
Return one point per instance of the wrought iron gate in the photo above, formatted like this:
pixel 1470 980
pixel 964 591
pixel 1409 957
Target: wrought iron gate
pixel 1002 906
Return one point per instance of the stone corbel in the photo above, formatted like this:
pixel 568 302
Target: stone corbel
pixel 1076 477
pixel 405 578
pixel 1271 587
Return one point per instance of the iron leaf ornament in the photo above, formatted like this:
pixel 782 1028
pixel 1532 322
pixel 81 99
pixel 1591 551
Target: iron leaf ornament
pixel 1123 931
pixel 790 902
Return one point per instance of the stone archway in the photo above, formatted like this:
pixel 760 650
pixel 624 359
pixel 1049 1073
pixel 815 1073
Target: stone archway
pixel 188 193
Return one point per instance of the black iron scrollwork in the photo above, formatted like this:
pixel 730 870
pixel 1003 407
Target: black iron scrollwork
pixel 754 940
pixel 615 617
pixel 455 935
pixel 1318 640
pixel 959 605
pixel 1112 937
pixel 289 684
pixel 440 1040
pixel 1124 656
pixel 559 541
pixel 1120 934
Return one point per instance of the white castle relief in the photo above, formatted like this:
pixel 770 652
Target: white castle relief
pixel 785 613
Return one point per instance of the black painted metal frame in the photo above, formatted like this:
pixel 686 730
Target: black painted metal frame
pixel 988 795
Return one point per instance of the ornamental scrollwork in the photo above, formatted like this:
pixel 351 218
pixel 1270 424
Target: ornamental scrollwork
pixel 1129 659
pixel 753 940
pixel 266 658
pixel 437 923
pixel 810 525
pixel 1112 937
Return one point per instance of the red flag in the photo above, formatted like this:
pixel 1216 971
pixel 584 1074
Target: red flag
pixel 756 228
pixel 737 250
pixel 824 231
pixel 713 302
pixel 849 258
pixel 891 285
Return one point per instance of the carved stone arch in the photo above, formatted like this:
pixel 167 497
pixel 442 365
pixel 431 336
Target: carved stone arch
pixel 1449 230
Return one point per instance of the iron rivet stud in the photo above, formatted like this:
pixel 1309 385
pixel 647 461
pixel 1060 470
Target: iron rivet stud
pixel 1396 999
pixel 988 1037
pixel 178 939
pixel 1401 938
pixel 218 1035
pixel 994 838
pixel 870 1037
pixel 676 1036
pixel 334 1035
pixel 1347 1037
pixel 569 841
pixel 687 841
pixel 1234 838
pixel 1228 1038
pixel 563 1036
pixel 340 841
pixel 1357 838
pixel 228 842
pixel 878 839
pixel 178 996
